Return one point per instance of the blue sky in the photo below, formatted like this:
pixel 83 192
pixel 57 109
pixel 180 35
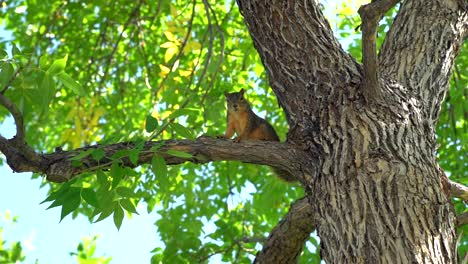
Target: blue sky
pixel 45 238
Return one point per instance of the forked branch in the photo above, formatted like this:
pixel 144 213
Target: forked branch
pixel 371 14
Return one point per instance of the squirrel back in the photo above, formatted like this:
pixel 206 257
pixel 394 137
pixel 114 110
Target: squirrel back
pixel 247 125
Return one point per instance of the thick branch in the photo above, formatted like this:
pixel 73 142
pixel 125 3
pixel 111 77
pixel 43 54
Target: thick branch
pixel 371 14
pixel 458 190
pixel 300 54
pixel 420 48
pixel 462 219
pixel 58 166
pixel 16 113
pixel 287 239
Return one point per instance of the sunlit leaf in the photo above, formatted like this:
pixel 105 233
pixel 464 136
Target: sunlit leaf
pixel 58 66
pixel 182 131
pixel 128 206
pixel 71 84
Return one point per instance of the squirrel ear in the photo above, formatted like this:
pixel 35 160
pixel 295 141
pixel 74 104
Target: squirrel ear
pixel 226 93
pixel 242 91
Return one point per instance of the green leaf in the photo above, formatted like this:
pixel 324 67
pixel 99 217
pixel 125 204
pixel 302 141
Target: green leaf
pixel 105 199
pixel 151 123
pixel 106 212
pixel 180 154
pixel 157 146
pixel 128 206
pixel 182 131
pixel 6 73
pixel 83 154
pixel 98 154
pixel 125 192
pixel 89 196
pixel 102 180
pixel 118 215
pixel 3 54
pixel 14 50
pixel 159 166
pixel 16 253
pixel 58 66
pixel 133 156
pixel 47 89
pixel 43 61
pixel 71 84
pixel 56 203
pixel 184 112
pixel 117 173
pixel 70 203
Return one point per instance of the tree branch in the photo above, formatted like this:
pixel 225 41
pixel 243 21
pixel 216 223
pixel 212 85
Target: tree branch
pixel 16 113
pixel 60 166
pixel 371 14
pixel 287 239
pixel 420 48
pixel 458 190
pixel 300 53
pixel 462 219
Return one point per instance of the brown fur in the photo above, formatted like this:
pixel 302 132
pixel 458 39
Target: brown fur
pixel 244 122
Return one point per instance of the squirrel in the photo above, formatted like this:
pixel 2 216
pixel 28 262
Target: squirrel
pixel 247 125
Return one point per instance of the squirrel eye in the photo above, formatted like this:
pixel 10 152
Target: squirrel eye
pixel 242 99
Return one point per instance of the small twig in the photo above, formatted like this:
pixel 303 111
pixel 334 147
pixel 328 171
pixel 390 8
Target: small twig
pixel 462 219
pixel 370 16
pixel 17 115
pixel 458 190
pixel 133 14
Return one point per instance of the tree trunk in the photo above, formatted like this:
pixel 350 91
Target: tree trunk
pixel 374 190
pixel 378 196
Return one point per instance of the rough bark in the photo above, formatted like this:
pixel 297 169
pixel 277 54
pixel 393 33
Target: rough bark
pixel 371 14
pixel 421 46
pixel 59 167
pixel 375 192
pixel 378 197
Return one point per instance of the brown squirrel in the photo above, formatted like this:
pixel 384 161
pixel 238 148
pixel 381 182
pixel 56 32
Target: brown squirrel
pixel 247 125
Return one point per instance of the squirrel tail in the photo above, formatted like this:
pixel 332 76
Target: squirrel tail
pixel 284 175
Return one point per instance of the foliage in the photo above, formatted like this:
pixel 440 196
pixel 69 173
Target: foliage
pixel 85 252
pixel 86 72
pixel 12 253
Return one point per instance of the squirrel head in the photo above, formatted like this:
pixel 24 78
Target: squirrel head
pixel 236 101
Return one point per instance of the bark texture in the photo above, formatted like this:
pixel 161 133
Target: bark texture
pixel 59 167
pixel 374 190
pixel 379 195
